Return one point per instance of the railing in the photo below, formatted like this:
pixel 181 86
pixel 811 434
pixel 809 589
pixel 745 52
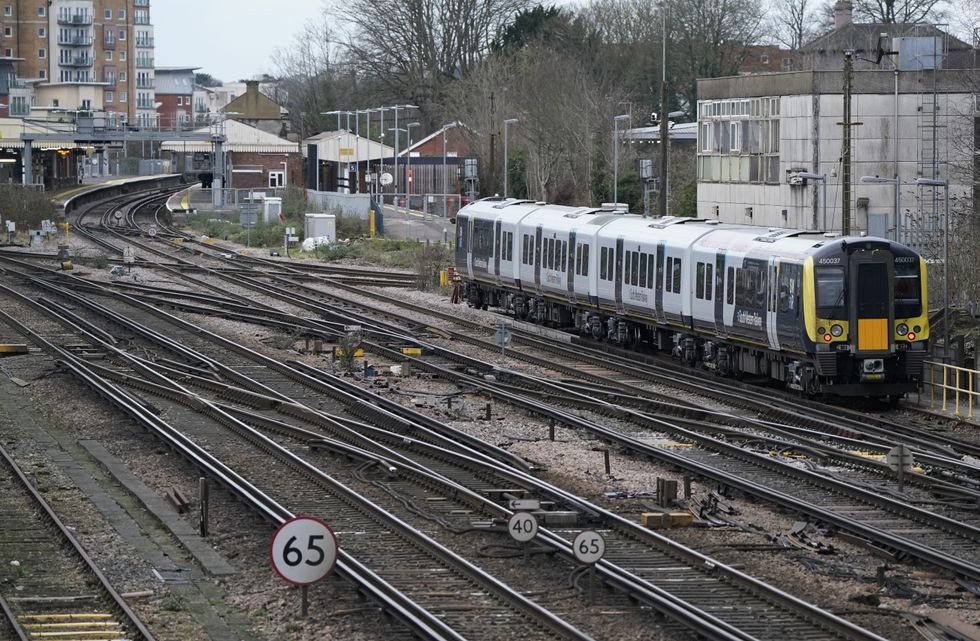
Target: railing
pixel 141 20
pixel 75 20
pixel 144 42
pixel 145 84
pixel 75 41
pixel 952 387
pixel 83 61
pixel 144 63
pixel 109 43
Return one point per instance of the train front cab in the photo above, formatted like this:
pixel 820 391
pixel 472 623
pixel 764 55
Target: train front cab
pixel 866 323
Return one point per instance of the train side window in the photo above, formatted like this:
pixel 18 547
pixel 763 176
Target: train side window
pixel 708 280
pixel 677 275
pixel 651 265
pixel 602 263
pixel 635 280
pixel 626 269
pixel 524 249
pixel 787 295
pixel 564 256
pixel 643 270
pixel 585 260
pixel 510 246
pixel 667 275
pixel 699 286
pixel 610 266
pixel 730 293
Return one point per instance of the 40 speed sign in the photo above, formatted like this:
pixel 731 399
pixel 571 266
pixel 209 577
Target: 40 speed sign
pixel 303 550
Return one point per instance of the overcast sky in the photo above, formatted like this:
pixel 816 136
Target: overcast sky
pixel 230 39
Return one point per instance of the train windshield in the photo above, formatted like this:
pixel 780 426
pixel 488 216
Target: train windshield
pixel 831 294
pixel 908 291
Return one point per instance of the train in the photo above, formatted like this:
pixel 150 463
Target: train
pixel 820 313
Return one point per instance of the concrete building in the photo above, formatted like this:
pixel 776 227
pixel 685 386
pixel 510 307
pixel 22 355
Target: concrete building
pixel 94 42
pixel 758 133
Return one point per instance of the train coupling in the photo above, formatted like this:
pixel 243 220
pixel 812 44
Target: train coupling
pixel 872 370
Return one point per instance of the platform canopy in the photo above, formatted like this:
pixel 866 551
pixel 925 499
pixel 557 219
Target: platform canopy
pixel 344 146
pixel 240 138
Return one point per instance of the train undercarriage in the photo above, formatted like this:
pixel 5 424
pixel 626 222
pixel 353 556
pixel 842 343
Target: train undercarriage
pixel 831 373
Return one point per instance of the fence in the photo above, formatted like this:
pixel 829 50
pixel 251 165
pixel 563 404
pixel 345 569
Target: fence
pixel 951 386
pixel 351 205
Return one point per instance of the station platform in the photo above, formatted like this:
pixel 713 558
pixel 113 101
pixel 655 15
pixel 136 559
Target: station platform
pixel 93 183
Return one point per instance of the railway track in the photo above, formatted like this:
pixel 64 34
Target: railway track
pixel 696 581
pixel 49 587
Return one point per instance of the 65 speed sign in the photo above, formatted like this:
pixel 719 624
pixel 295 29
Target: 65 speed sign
pixel 303 550
pixel 589 547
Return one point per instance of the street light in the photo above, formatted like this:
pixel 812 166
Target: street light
pixel 806 175
pixel 445 170
pixel 616 121
pixel 507 123
pixel 897 181
pixel 395 157
pixel 929 182
pixel 408 165
pixel 397 131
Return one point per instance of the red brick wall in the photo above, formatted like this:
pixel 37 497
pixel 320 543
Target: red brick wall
pixel 168 109
pixel 454 142
pixel 268 162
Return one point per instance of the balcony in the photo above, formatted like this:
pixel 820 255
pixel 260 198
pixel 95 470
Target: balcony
pixel 76 20
pixel 77 61
pixel 144 63
pixel 145 84
pixel 75 41
pixel 109 43
pixel 146 43
pixel 142 20
pixel 142 3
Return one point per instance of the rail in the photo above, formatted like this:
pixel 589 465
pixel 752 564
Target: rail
pixel 950 383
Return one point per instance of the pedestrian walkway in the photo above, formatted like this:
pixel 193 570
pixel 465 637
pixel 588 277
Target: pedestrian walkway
pixel 409 224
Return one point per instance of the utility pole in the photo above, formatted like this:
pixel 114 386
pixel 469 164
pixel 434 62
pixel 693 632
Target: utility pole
pixel 846 146
pixel 664 125
pixel 493 159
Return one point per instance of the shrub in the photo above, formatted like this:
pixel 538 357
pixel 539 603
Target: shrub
pixel 352 227
pixel 25 207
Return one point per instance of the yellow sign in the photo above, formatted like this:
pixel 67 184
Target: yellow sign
pixel 346 152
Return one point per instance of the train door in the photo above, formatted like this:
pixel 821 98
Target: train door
pixel 618 275
pixel 659 291
pixel 537 257
pixel 772 288
pixel 871 301
pixel 462 244
pixel 720 293
pixel 788 305
pixel 498 250
pixel 570 274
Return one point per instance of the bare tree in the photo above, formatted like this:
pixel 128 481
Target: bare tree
pixel 416 47
pixel 900 11
pixel 706 37
pixel 307 70
pixel 793 22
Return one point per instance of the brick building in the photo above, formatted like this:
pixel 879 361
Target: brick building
pixel 175 96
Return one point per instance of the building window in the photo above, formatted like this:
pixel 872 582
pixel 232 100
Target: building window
pixel 8 32
pixel 42 53
pixel 764 59
pixel 122 56
pixel 42 32
pixel 8 53
pixel 108 14
pixel 123 96
pixel 8 10
pixel 122 14
pixel 735 135
pixel 42 74
pixel 109 97
pixel 41 12
pixel 122 35
pixel 277 179
pixel 122 76
pixel 108 56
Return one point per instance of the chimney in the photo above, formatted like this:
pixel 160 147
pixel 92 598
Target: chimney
pixel 843 14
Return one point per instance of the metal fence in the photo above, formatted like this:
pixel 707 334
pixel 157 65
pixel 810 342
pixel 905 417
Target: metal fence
pixel 951 388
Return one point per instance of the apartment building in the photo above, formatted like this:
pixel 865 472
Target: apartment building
pixel 102 43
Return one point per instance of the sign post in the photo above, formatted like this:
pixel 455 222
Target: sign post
pixel 589 547
pixel 503 336
pixel 523 527
pixel 303 551
pixel 899 459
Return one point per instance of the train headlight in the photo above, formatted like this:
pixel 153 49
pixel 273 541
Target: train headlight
pixel 826 337
pixel 902 329
pixel 836 330
pixel 916 329
pixel 821 330
pixel 912 336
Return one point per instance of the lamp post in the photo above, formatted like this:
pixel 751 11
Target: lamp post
pixel 806 175
pixel 897 181
pixel 445 170
pixel 616 121
pixel 507 123
pixel 397 131
pixel 408 165
pixel 929 182
pixel 381 151
pixel 396 108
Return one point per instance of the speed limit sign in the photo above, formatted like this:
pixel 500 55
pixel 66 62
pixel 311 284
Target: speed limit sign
pixel 523 527
pixel 303 550
pixel 589 547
